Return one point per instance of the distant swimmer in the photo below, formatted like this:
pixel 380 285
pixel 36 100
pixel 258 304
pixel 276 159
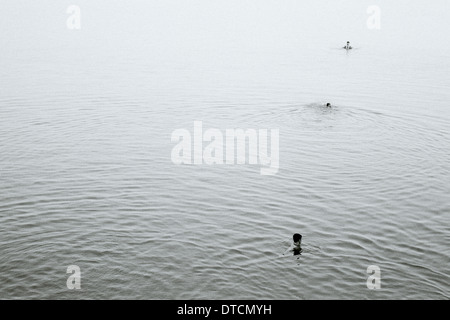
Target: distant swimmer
pixel 347 46
pixel 328 105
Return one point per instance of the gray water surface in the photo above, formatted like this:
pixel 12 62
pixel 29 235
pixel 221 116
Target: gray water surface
pixel 86 176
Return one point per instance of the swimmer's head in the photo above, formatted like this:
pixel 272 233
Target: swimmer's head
pixel 328 104
pixel 297 237
pixel 348 42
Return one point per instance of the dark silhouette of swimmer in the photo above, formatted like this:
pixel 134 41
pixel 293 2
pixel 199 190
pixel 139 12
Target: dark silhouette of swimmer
pixel 347 46
pixel 328 105
pixel 297 244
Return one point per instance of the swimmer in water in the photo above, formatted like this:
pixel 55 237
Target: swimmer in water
pixel 347 46
pixel 297 244
pixel 328 105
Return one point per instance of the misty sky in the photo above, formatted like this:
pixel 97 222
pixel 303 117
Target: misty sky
pixel 174 24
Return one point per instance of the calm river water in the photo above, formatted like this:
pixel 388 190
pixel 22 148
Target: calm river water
pixel 86 175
